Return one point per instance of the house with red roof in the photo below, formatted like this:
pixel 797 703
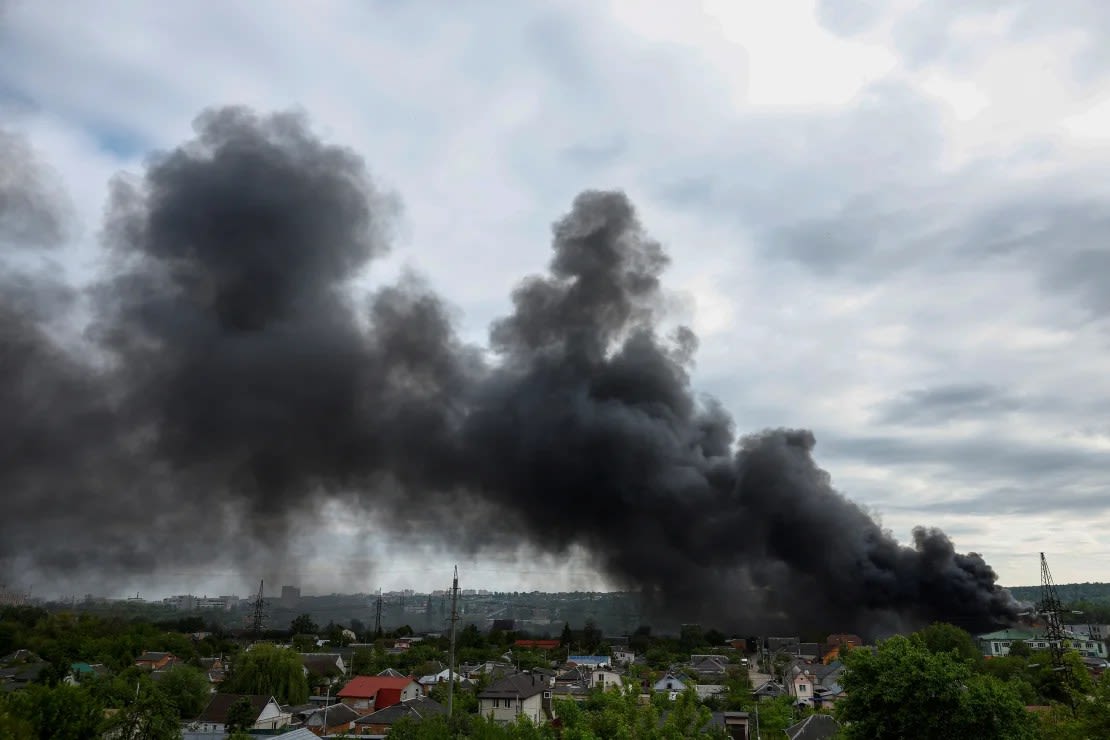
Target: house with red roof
pixel 366 694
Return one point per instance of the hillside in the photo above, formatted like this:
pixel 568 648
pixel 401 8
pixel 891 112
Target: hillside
pixel 1092 593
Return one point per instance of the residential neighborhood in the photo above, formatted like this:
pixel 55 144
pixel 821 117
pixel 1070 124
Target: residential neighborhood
pixel 335 681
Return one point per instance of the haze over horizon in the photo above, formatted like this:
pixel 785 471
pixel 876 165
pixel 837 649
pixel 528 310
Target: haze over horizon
pixel 883 226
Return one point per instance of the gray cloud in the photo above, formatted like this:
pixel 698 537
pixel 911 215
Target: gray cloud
pixel 979 460
pixel 943 404
pixel 33 210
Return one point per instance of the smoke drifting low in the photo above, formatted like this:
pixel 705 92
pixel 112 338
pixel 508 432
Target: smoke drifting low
pixel 231 380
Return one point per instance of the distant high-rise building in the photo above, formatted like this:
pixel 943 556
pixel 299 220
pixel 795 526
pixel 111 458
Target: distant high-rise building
pixel 290 597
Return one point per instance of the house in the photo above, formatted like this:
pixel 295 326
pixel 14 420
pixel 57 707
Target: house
pixel 809 650
pixel 19 675
pixel 521 694
pixel 590 661
pixel 80 671
pixel 381 722
pixel 573 675
pixel 537 644
pixel 783 644
pixel 324 665
pixel 366 694
pixel 267 713
pixel 577 692
pixel 737 725
pixel 706 690
pixel 624 656
pixel 214 669
pixel 815 684
pixel 19 657
pixel 332 719
pixel 603 678
pixel 427 683
pixel 813 727
pixel 496 669
pixel 769 690
pixel 155 661
pixel 670 682
pixel 709 665
pixel 998 643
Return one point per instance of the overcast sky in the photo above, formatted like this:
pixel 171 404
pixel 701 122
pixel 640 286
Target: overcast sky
pixel 887 219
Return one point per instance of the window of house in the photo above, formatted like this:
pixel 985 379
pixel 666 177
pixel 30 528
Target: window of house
pixel 801 688
pixel 670 685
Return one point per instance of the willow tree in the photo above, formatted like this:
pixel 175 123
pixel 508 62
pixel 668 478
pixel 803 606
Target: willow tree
pixel 270 671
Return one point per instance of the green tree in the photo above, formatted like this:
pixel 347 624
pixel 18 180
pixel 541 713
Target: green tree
pixel 240 715
pixel 1020 649
pixel 269 670
pixel 13 726
pixel 304 625
pixel 59 712
pixel 152 716
pixel 591 636
pixel 904 690
pixel 946 638
pixel 567 638
pixel 775 715
pixel 187 688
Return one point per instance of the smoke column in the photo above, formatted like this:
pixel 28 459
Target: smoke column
pixel 230 373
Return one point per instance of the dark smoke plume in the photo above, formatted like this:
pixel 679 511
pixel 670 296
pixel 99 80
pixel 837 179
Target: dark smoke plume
pixel 236 379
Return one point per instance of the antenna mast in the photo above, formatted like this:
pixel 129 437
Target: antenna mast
pixel 451 655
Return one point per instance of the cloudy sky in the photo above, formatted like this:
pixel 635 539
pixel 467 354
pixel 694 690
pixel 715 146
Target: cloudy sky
pixel 887 219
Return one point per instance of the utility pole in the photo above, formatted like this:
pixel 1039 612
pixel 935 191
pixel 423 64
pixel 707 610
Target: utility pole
pixel 451 655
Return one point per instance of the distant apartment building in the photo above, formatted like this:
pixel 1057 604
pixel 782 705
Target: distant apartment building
pixel 290 597
pixel 189 602
pixel 999 643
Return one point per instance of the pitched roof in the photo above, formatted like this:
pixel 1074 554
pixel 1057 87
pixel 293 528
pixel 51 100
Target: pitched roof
pixel 320 663
pixel 152 657
pixel 417 708
pixel 20 656
pixel 769 688
pixel 336 714
pixel 537 644
pixel 216 711
pixel 516 686
pixel 301 733
pixel 813 727
pixel 1010 634
pixel 367 687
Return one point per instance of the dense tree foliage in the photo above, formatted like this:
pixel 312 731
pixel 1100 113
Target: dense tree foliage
pixel 269 670
pixel 905 690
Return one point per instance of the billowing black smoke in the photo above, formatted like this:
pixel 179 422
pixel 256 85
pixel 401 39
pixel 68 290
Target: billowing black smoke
pixel 232 379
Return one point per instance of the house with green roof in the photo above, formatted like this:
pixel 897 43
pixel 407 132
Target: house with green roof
pixel 997 644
